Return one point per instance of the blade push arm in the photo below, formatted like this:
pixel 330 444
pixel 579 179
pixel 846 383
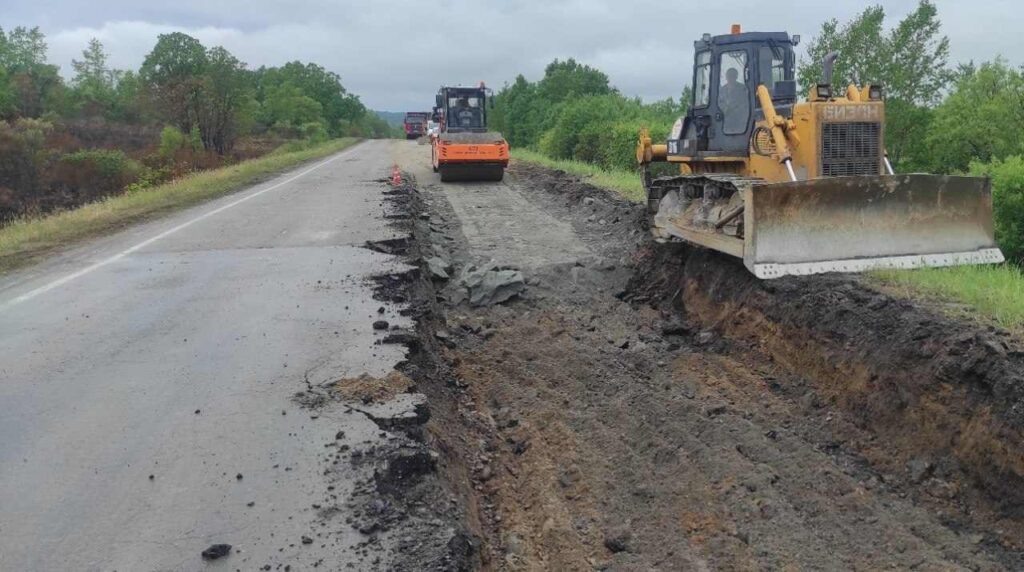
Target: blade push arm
pixel 779 127
pixel 647 152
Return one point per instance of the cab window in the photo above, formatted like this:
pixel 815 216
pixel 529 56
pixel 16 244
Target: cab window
pixel 733 92
pixel 702 82
pixel 771 66
pixel 465 112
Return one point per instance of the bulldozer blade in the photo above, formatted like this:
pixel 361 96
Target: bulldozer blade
pixel 453 172
pixel 852 224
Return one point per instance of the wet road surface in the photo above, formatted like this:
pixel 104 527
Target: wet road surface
pixel 146 378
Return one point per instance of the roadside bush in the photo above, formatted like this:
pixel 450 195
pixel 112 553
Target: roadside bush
pixel 94 173
pixel 179 153
pixel 22 152
pixel 618 144
pixel 172 140
pixel 23 162
pixel 150 177
pixel 1007 202
pixel 314 131
pixel 603 131
pixel 578 123
pixel 573 114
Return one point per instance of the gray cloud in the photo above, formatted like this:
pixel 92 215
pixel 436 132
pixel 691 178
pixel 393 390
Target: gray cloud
pixel 395 53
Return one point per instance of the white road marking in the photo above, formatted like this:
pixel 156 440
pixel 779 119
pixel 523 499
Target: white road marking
pixel 78 274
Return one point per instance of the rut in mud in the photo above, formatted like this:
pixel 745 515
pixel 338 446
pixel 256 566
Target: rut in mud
pixel 654 407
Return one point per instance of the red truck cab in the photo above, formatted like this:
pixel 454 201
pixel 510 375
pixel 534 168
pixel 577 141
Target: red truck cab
pixel 415 124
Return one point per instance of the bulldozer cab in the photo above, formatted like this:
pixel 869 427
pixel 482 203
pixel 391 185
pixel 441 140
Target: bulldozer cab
pixel 464 109
pixel 726 72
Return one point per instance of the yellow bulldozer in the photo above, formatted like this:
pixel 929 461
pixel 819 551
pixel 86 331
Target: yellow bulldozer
pixel 802 187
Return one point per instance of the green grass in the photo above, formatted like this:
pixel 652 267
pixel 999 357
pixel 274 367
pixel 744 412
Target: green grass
pixel 26 239
pixel 626 183
pixel 993 292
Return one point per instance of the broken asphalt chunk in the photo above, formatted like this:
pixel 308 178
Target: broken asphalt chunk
pixel 491 284
pixel 438 267
pixel 216 551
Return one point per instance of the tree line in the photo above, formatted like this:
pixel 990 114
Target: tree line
pixel 940 117
pixel 573 112
pixel 187 107
pixel 180 83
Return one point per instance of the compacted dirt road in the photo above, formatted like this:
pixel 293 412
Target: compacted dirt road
pixel 651 407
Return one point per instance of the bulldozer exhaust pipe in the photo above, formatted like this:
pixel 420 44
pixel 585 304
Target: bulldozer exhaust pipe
pixel 827 66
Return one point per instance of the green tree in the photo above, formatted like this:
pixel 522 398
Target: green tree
pixel 339 109
pixel 287 106
pixel 172 76
pixel 129 104
pixel 1008 203
pixel 31 83
pixel 22 48
pixel 518 113
pixel 566 79
pixel 981 119
pixel 911 60
pixel 860 43
pixel 8 102
pixel 227 105
pixel 573 113
pixel 92 68
pixel 94 82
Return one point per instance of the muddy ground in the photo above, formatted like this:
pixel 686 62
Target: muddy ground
pixel 653 407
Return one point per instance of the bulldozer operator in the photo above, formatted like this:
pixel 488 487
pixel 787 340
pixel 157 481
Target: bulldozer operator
pixel 732 101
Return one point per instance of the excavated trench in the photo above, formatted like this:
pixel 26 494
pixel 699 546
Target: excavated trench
pixel 656 407
pixel 931 388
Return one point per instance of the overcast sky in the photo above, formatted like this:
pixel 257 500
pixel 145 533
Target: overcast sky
pixel 395 53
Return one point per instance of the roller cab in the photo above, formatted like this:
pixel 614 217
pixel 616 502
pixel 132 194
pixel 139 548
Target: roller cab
pixel 463 149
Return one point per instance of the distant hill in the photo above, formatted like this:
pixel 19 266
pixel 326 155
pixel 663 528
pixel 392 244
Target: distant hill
pixel 394 118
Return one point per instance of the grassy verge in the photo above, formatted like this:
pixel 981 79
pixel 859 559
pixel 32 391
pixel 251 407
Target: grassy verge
pixel 24 240
pixel 992 292
pixel 626 183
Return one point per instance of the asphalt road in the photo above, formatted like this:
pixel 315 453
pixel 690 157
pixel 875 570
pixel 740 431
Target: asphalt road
pixel 108 351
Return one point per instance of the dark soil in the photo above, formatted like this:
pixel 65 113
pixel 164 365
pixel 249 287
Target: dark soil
pixel 932 389
pixel 656 407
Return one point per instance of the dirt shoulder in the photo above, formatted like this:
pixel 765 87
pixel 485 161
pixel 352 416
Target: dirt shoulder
pixel 642 406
